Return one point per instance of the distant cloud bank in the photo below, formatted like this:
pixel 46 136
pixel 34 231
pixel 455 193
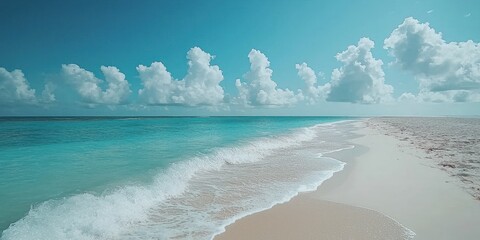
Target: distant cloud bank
pixel 445 71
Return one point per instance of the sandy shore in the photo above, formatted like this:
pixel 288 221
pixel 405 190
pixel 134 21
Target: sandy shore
pixel 383 177
pixel 308 218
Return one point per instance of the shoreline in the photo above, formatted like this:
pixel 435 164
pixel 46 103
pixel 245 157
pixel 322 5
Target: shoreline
pixel 298 219
pixel 233 181
pixel 382 179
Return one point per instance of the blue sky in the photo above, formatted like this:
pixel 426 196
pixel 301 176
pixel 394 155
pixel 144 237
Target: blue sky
pixel 58 45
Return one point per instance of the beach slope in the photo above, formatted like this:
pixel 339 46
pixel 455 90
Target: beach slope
pixel 387 188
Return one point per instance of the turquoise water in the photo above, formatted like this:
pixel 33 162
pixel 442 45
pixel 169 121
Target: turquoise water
pixel 82 167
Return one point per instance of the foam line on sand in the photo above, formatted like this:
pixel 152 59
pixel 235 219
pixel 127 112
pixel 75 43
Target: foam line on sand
pixel 381 178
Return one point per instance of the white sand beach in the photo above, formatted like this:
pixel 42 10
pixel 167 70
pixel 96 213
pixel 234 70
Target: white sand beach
pixel 386 184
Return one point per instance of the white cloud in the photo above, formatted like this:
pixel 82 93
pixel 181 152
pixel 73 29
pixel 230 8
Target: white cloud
pixel 201 85
pixel 14 89
pixel 312 92
pixel 450 71
pixel 202 80
pixel 259 88
pixel 158 85
pixel 47 93
pixel 361 78
pixel 439 97
pixel 88 86
pixel 407 97
pixel 118 88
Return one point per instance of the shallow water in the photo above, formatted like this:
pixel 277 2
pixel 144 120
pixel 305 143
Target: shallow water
pixel 153 178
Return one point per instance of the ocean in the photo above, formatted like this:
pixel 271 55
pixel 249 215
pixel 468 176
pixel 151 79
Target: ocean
pixel 154 177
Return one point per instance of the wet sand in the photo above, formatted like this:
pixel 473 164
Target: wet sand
pixel 384 179
pixel 306 217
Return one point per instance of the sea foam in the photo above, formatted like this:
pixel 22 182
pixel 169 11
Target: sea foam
pixel 192 199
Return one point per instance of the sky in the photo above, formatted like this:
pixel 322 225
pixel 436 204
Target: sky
pixel 272 57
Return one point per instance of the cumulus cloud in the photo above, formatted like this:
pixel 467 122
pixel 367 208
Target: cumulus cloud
pixel 201 85
pixel 449 71
pixel 259 88
pixel 361 78
pixel 312 92
pixel 158 85
pixel 407 97
pixel 88 86
pixel 439 97
pixel 47 94
pixel 14 89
